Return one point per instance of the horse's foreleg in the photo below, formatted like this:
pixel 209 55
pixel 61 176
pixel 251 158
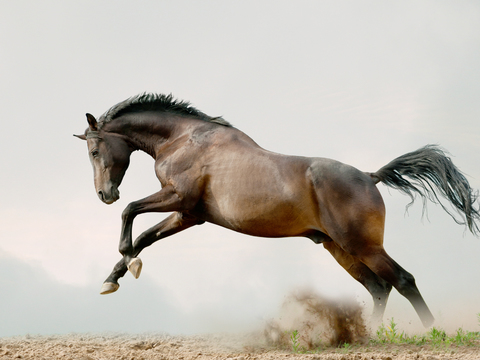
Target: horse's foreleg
pixel 376 286
pixel 111 285
pixel 165 200
pixel 170 226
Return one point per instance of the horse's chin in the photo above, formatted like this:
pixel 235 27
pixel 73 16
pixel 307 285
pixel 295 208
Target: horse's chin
pixel 109 201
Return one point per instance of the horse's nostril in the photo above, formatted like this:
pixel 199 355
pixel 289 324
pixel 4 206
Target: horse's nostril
pixel 100 194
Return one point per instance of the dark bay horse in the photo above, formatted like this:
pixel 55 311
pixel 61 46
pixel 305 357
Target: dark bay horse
pixel 211 171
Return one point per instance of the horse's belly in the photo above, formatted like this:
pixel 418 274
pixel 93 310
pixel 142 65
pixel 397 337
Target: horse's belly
pixel 265 216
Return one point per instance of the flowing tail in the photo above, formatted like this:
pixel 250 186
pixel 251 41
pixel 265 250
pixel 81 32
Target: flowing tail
pixel 428 170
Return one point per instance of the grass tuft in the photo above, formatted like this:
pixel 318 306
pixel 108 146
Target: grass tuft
pixel 391 334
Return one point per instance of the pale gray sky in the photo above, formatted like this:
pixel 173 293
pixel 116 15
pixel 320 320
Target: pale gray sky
pixel 360 82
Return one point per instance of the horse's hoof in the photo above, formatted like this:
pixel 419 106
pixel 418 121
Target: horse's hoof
pixel 108 288
pixel 135 267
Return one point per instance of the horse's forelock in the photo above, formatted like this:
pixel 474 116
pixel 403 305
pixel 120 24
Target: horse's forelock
pixel 92 135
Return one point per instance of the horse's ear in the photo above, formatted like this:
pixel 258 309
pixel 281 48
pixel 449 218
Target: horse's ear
pixel 83 137
pixel 92 122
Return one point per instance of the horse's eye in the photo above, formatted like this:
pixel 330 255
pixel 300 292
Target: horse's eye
pixel 94 153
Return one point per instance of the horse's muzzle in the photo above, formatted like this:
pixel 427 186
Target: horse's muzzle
pixel 109 197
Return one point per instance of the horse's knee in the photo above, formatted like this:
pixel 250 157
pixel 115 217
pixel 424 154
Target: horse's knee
pixel 127 212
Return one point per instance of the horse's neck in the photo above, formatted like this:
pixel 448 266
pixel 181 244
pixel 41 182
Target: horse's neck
pixel 147 132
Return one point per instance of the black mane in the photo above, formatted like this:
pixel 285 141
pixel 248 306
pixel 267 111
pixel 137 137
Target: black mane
pixel 157 102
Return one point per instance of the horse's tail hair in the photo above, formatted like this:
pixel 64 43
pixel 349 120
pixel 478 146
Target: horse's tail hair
pixel 429 170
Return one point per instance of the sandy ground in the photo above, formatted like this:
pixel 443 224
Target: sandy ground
pixel 319 323
pixel 234 347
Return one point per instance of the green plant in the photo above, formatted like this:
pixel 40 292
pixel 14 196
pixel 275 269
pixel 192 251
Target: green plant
pixel 390 333
pixel 437 335
pixel 294 337
pixel 468 338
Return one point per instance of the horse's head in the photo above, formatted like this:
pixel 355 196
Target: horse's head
pixel 110 157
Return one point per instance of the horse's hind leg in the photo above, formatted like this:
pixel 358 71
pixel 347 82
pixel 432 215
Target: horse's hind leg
pixel 376 286
pixel 173 224
pixel 385 267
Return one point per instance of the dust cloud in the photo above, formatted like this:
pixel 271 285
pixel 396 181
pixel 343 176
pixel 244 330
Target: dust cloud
pixel 316 321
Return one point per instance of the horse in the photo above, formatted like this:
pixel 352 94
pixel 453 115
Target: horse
pixel 210 171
